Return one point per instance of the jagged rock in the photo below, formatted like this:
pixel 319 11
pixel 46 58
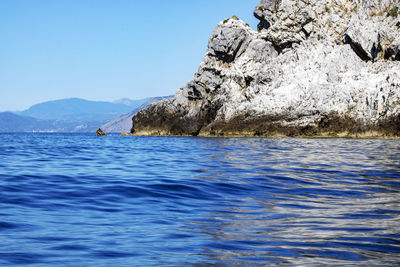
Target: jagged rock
pixel 286 21
pixel 100 132
pixel 315 68
pixel 229 40
pixel 370 36
pixel 364 38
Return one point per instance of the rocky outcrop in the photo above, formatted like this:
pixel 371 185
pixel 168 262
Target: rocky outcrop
pixel 100 132
pixel 314 68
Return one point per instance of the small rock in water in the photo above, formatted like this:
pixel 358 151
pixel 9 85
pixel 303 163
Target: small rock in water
pixel 124 134
pixel 100 132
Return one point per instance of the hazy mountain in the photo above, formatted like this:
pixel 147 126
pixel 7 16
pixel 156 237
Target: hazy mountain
pixel 10 122
pixel 66 115
pixel 124 122
pixel 130 102
pixel 76 109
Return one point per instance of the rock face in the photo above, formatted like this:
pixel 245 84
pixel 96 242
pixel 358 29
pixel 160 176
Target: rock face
pixel 314 68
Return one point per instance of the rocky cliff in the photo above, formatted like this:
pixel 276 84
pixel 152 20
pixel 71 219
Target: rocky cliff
pixel 313 68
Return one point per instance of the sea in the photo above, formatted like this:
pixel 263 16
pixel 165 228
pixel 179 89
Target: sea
pixel 83 200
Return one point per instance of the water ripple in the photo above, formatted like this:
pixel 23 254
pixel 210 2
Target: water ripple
pixel 79 200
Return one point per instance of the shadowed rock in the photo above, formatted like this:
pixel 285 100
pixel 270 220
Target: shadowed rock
pixel 100 132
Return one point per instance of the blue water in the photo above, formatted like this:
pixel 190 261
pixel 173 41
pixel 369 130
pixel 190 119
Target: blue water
pixel 82 200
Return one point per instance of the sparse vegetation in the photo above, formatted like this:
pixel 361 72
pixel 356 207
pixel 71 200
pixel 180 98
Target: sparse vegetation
pixel 233 17
pixel 394 12
pixel 327 9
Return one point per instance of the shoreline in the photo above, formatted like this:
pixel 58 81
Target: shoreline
pixel 276 136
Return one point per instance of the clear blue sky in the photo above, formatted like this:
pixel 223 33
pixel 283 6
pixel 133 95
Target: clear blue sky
pixel 104 49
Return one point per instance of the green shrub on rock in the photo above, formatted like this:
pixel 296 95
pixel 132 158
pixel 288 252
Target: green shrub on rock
pixel 394 12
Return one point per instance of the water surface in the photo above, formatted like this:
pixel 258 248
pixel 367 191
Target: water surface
pixel 81 200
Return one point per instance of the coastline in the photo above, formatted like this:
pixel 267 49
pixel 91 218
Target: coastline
pixel 343 135
pixel 297 76
pixel 332 126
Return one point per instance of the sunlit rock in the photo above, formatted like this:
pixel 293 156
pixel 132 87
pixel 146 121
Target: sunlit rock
pixel 313 68
pixel 100 132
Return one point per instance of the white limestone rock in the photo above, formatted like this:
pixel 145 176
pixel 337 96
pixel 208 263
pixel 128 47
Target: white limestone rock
pixel 314 68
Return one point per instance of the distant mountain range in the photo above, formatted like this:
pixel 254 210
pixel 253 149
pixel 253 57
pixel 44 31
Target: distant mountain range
pixel 74 109
pixel 68 115
pixel 10 122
